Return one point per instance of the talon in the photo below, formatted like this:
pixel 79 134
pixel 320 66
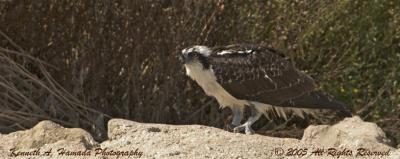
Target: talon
pixel 249 131
pixel 236 130
pixel 229 127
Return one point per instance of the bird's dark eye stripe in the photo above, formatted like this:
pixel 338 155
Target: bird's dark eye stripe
pixel 192 53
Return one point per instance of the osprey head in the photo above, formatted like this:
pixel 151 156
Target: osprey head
pixel 196 55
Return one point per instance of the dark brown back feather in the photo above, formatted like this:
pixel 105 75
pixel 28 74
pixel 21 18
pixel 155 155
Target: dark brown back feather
pixel 265 75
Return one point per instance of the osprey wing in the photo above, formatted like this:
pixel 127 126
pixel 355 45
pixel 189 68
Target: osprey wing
pixel 265 75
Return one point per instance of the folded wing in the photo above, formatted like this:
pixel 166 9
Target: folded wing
pixel 265 75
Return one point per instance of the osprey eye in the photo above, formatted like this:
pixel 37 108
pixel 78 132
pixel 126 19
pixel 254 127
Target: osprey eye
pixel 191 54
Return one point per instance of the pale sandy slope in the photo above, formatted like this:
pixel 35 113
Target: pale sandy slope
pixel 195 141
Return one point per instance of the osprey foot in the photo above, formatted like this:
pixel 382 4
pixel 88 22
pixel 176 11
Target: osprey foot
pixel 230 127
pixel 249 131
pixel 239 129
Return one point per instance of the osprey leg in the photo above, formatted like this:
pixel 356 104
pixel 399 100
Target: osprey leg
pixel 237 117
pixel 255 115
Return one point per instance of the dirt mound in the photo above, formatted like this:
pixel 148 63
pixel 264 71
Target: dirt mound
pixel 351 138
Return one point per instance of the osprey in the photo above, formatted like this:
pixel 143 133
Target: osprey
pixel 260 78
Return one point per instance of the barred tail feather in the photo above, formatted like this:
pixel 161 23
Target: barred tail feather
pixel 271 111
pixel 317 100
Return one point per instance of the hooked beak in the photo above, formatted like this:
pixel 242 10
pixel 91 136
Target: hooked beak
pixel 183 58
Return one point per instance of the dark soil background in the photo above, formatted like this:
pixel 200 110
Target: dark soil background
pixel 80 63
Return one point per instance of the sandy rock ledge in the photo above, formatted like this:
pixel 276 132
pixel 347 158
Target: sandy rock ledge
pixel 129 139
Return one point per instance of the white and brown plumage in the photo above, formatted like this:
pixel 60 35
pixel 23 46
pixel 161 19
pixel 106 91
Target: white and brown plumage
pixel 258 77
